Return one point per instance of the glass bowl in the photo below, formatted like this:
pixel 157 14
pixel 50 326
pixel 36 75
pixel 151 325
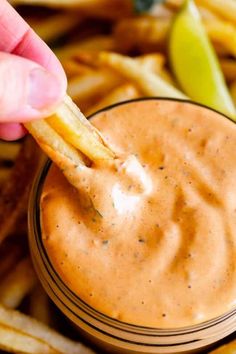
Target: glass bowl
pixel 111 334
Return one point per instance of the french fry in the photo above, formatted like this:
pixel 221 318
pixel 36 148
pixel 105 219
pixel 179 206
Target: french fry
pixel 95 43
pixel 49 140
pixel 14 341
pixel 17 284
pixel 32 328
pixel 229 348
pixel 54 26
pixel 149 83
pixel 226 9
pixel 223 34
pixel 119 94
pixel 14 194
pixel 57 149
pixel 71 124
pixel 88 85
pixel 153 62
pixel 39 305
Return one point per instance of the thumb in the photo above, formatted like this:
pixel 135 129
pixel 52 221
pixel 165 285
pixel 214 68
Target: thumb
pixel 27 90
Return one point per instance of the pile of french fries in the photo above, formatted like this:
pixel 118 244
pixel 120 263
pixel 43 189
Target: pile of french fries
pixel 110 54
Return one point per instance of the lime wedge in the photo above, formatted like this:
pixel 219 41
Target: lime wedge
pixel 195 63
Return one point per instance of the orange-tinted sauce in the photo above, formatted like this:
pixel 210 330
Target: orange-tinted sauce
pixel 157 244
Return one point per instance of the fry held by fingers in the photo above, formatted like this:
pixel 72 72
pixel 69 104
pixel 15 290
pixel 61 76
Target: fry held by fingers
pixel 66 130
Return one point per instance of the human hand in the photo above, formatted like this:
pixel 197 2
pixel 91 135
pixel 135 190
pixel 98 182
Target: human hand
pixel 32 79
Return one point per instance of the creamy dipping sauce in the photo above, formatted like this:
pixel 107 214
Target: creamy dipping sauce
pixel 158 247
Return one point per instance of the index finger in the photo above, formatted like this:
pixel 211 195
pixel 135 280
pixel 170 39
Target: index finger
pixel 18 38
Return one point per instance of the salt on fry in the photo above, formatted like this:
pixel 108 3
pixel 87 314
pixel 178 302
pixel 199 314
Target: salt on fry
pixel 17 284
pixel 32 328
pixel 119 94
pixel 148 82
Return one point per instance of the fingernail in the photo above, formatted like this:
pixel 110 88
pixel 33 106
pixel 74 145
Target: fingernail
pixel 44 89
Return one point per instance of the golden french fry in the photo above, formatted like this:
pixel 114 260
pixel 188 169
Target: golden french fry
pixel 49 140
pixel 148 82
pixel 90 84
pixel 119 94
pixel 49 29
pixel 226 9
pixel 32 328
pixel 229 348
pixel 15 191
pixel 17 284
pixel 94 43
pixel 14 341
pixel 71 124
pixel 39 305
pixel 222 33
pixel 153 62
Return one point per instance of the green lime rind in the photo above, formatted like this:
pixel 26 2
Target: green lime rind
pixel 195 63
